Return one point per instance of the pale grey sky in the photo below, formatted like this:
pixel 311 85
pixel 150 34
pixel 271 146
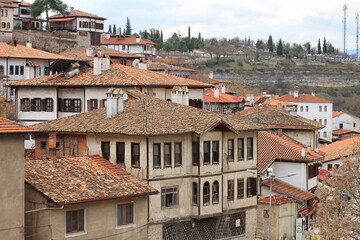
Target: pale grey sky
pixel 291 20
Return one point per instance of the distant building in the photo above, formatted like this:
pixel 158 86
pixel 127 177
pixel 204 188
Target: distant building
pixel 342 120
pixel 6 21
pixel 217 100
pixel 170 69
pixel 81 22
pixel 130 44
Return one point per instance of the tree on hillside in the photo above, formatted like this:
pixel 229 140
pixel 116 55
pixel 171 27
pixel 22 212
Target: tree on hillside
pixel 127 27
pixel 307 46
pixel 325 46
pixel 259 44
pixel 338 210
pixel 114 29
pixel 189 32
pixel 270 44
pixel 40 6
pixel 319 47
pixel 279 48
pixel 109 31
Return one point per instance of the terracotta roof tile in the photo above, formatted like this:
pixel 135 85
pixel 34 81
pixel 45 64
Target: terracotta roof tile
pixel 20 51
pixel 289 190
pixel 223 97
pixel 335 114
pixel 80 53
pixel 277 199
pixel 77 13
pixel 126 40
pixel 342 148
pixel 67 180
pixel 118 76
pixel 342 131
pixel 303 98
pixel 147 116
pixel 7 126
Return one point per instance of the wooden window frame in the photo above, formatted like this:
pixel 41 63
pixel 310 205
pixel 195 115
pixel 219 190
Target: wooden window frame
pixel 25 105
pixel 76 105
pixel 241 149
pixel 67 103
pixel 178 154
pixel 195 153
pixel 167 155
pixel 240 188
pixel 250 148
pixel 157 162
pixel 215 150
pixel 129 218
pixel 105 145
pixel 69 221
pixel 251 184
pixel 120 153
pixel 215 192
pixel 230 189
pixel 135 156
pixel 206 193
pixel 167 194
pixel 195 192
pixel 230 151
pixel 207 152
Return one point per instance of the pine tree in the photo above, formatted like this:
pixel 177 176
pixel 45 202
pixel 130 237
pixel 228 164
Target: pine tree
pixel 114 29
pixel 279 48
pixel 199 37
pixel 128 27
pixel 324 46
pixel 109 31
pixel 319 47
pixel 270 44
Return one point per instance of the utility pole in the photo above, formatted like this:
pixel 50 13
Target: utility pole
pixel 357 35
pixel 344 20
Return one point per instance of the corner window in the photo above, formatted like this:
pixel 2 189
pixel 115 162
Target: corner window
pixel 135 155
pixel 75 221
pixel 250 148
pixel 240 188
pixel 215 152
pixel 157 155
pixel 195 153
pixel 194 194
pixel 230 156
pixel 230 188
pixel 206 193
pixel 167 154
pixel 215 192
pixel 206 152
pixel 240 149
pixel 169 197
pixel 178 154
pixel 105 150
pixel 251 187
pixel 125 214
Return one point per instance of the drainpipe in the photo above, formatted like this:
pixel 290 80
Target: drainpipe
pixel 222 172
pixel 147 177
pixel 199 185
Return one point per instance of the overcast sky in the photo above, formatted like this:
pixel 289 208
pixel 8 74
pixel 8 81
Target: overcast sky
pixel 293 21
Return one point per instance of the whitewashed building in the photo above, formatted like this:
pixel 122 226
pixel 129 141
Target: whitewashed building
pixel 342 120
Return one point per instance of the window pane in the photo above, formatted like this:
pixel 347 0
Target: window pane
pixel 74 216
pixel 215 152
pixel 156 155
pixel 250 148
pixel 240 186
pixel 240 149
pixel 178 154
pixel 167 154
pixel 123 215
pixel 231 150
pixel 68 221
pixel 206 152
pixel 120 152
pixel 131 213
pixel 195 153
pixel 119 214
pixel 81 220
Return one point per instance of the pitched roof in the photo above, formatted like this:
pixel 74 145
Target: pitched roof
pixel 8 127
pixel 125 40
pixel 276 102
pixel 79 53
pixel 20 51
pixel 118 76
pixel 146 116
pixel 342 131
pixel 76 13
pixel 278 118
pixel 68 180
pixel 223 97
pixel 273 147
pixel 277 199
pixel 335 114
pixel 303 98
pixel 289 190
pixel 342 148
pixel 158 66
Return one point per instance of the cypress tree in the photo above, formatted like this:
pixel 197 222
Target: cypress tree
pixel 324 46
pixel 128 26
pixel 161 36
pixel 109 31
pixel 189 33
pixel 270 44
pixel 114 29
pixel 279 48
pixel 319 47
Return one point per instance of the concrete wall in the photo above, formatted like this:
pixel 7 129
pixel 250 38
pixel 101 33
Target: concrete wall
pixel 12 189
pixel 284 168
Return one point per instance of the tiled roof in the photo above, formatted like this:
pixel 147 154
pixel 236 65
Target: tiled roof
pixel 278 118
pixel 146 116
pixel 79 53
pixel 342 131
pixel 223 97
pixel 277 199
pixel 126 40
pixel 118 76
pixel 158 66
pixel 335 114
pixel 303 98
pixel 8 127
pixel 3 5
pixel 342 148
pixel 275 102
pixel 68 180
pixel 20 51
pixel 289 190
pixel 77 13
pixel 273 147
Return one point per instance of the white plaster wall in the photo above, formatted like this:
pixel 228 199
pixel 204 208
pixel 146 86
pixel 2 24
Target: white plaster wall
pixel 72 93
pixel 333 162
pixel 305 137
pixel 348 122
pixel 284 168
pixel 36 93
pixel 159 92
pixel 312 182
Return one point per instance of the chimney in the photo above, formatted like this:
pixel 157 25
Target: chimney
pixel 279 131
pixel 312 93
pixel 105 63
pixel 176 95
pixel 185 97
pixel 143 65
pixel 303 152
pixel 211 75
pixel 72 73
pixel 114 102
pixel 89 52
pixel 72 9
pixel 138 38
pixel 29 71
pixel 107 36
pixel 223 89
pixel 216 92
pixel 293 113
pixel 29 44
pixel 120 100
pixel 291 93
pixel 97 64
pixel 296 94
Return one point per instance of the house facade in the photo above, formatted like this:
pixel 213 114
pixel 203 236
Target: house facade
pixel 217 100
pixel 6 21
pixel 130 44
pixel 12 222
pixel 196 159
pixel 314 108
pixel 342 120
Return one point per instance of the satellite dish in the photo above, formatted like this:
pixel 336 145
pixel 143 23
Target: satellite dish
pixel 135 63
pixel 255 120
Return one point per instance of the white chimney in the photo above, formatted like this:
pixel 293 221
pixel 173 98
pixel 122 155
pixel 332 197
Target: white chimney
pixel 120 102
pixel 138 38
pixel 185 97
pixel 105 63
pixel 97 65
pixel 143 65
pixel 114 102
pixel 291 93
pixel 107 36
pixel 296 94
pixel 216 92
pixel 211 75
pixel 303 152
pixel 29 72
pixel 89 52
pixel 312 93
pixel 71 73
pixel 223 89
pixel 176 95
pixel 29 44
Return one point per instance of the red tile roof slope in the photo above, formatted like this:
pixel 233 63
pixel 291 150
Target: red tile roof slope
pixel 272 147
pixel 342 148
pixel 77 13
pixel 7 126
pixel 335 114
pixel 223 97
pixel 147 116
pixel 80 53
pixel 342 131
pixel 289 190
pixel 126 40
pixel 68 180
pixel 303 98
pixel 118 76
pixel 277 199
pixel 20 51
